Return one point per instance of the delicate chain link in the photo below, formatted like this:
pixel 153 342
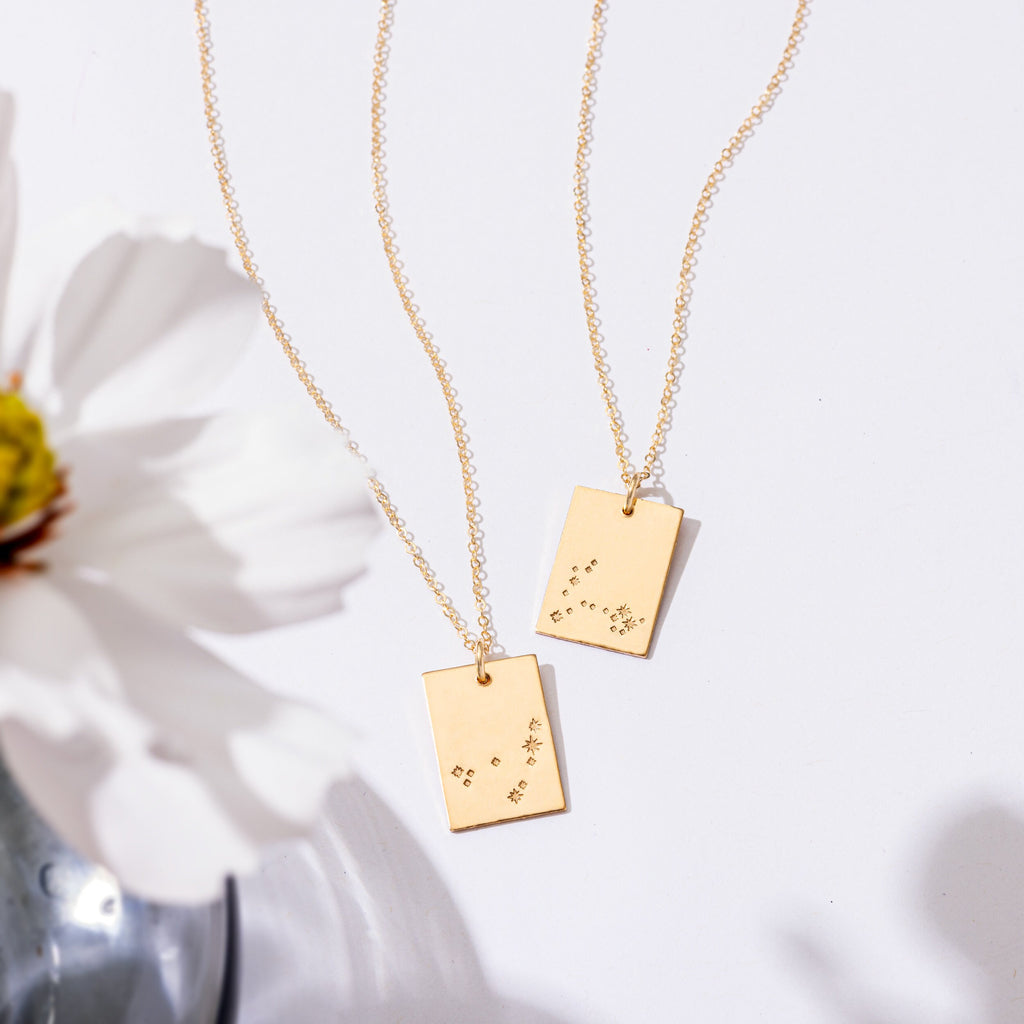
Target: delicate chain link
pixel 582 204
pixel 382 206
pixel 242 244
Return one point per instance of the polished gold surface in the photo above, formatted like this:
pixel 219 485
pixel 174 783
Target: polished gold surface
pixel 493 740
pixel 583 241
pixel 610 570
pixel 485 633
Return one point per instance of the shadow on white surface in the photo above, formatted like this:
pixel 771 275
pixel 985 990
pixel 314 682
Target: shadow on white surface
pixel 688 530
pixel 356 925
pixel 547 680
pixel 972 893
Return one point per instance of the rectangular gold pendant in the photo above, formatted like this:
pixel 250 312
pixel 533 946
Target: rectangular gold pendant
pixel 610 571
pixel 493 743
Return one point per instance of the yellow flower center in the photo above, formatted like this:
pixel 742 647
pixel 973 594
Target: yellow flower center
pixel 29 479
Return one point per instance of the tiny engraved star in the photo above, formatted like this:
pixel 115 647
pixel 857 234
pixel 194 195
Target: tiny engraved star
pixel 457 771
pixel 624 611
pixel 575 581
pixel 516 795
pixel 534 724
pixel 629 623
pixel 556 616
pixel 532 745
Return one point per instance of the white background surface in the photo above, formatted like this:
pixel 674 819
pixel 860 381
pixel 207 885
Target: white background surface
pixel 808 805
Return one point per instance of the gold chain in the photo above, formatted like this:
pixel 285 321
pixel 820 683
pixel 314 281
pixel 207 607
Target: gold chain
pixel 484 642
pixel 582 204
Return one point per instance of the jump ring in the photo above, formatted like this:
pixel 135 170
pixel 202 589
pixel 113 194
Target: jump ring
pixel 483 677
pixel 634 486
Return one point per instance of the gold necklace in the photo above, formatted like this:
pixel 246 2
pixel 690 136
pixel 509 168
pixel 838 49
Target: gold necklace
pixel 494 748
pixel 613 557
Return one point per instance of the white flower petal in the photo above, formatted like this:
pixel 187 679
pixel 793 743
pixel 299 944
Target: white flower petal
pixel 145 751
pixel 257 521
pixel 271 759
pixel 57 777
pixel 305 760
pixel 145 325
pixel 8 207
pixel 46 260
pixel 177 779
pixel 47 652
pixel 105 466
pixel 164 833
pixel 59 774
pixel 137 814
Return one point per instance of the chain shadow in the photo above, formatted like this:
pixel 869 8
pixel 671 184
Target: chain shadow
pixel 357 926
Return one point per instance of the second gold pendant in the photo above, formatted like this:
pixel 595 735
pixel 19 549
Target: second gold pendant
pixel 608 580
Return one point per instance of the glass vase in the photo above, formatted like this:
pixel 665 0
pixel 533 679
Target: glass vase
pixel 75 948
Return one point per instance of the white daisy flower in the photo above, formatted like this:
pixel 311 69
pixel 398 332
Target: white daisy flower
pixel 124 526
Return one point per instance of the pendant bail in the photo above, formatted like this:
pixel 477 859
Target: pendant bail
pixel 483 677
pixel 634 486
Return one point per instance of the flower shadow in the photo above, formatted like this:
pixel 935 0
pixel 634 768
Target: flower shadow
pixel 356 925
pixel 971 892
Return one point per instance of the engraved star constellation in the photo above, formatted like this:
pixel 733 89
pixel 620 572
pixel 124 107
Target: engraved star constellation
pixel 531 745
pixel 458 771
pixel 625 620
pixel 622 619
pixel 518 792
